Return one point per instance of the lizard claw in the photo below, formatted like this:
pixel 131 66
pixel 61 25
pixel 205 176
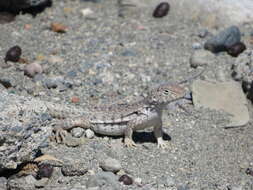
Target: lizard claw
pixel 161 143
pixel 129 142
pixel 60 135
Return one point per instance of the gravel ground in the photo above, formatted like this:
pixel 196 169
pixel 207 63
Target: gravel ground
pixel 106 58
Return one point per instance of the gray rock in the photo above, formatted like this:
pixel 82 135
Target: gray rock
pixel 225 96
pixel 201 58
pixel 20 140
pixel 223 40
pixel 104 180
pixel 77 132
pixel 74 170
pixel 166 181
pixel 3 183
pixel 23 183
pixel 110 164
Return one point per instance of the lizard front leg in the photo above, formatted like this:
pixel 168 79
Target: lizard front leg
pixel 60 129
pixel 128 140
pixel 159 135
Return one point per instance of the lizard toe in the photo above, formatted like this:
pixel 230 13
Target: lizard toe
pixel 129 142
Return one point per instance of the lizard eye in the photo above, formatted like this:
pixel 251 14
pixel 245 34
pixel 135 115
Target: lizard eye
pixel 166 92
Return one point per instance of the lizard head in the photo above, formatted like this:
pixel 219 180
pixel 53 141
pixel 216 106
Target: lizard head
pixel 165 94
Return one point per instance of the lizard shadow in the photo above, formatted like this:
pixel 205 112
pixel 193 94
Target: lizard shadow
pixel 144 137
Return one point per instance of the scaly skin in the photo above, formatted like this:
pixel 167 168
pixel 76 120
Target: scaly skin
pixel 123 119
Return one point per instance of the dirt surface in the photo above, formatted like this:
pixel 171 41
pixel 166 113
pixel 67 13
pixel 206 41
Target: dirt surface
pixel 104 58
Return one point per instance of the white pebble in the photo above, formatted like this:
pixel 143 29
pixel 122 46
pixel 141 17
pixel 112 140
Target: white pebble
pixel 89 134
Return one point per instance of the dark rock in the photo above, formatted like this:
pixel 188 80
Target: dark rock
pixel 161 10
pixel 236 49
pixel 45 170
pixel 126 180
pixel 223 40
pixel 13 54
pixel 249 171
pixel 5 82
pixel 74 170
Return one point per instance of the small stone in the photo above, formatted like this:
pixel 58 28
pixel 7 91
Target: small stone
pixel 249 171
pixel 74 170
pixel 203 33
pixel 126 180
pixel 75 99
pixel 89 133
pixel 110 164
pixel 161 10
pixel 58 27
pixel 77 132
pixel 236 49
pixel 201 58
pixel 223 40
pixel 138 180
pixel 32 69
pixel 87 12
pixel 45 171
pixel 196 45
pixel 5 82
pixel 13 54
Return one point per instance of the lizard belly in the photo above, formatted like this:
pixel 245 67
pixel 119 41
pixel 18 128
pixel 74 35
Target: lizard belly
pixel 111 129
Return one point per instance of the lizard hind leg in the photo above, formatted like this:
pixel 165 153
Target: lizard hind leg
pixel 61 128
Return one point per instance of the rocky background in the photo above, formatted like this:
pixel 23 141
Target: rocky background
pixel 79 53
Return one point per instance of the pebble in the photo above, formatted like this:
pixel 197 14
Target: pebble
pixel 5 82
pixel 32 69
pixel 3 183
pixel 74 170
pixel 223 40
pixel 126 180
pixel 236 49
pixel 201 58
pixel 196 45
pixel 87 12
pixel 13 54
pixel 103 180
pixel 110 164
pixel 75 99
pixel 161 10
pixel 89 134
pixel 203 33
pixel 77 132
pixel 45 171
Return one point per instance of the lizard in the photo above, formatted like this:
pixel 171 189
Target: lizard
pixel 122 119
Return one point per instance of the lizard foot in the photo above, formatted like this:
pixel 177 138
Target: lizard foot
pixel 129 142
pixel 161 143
pixel 60 135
